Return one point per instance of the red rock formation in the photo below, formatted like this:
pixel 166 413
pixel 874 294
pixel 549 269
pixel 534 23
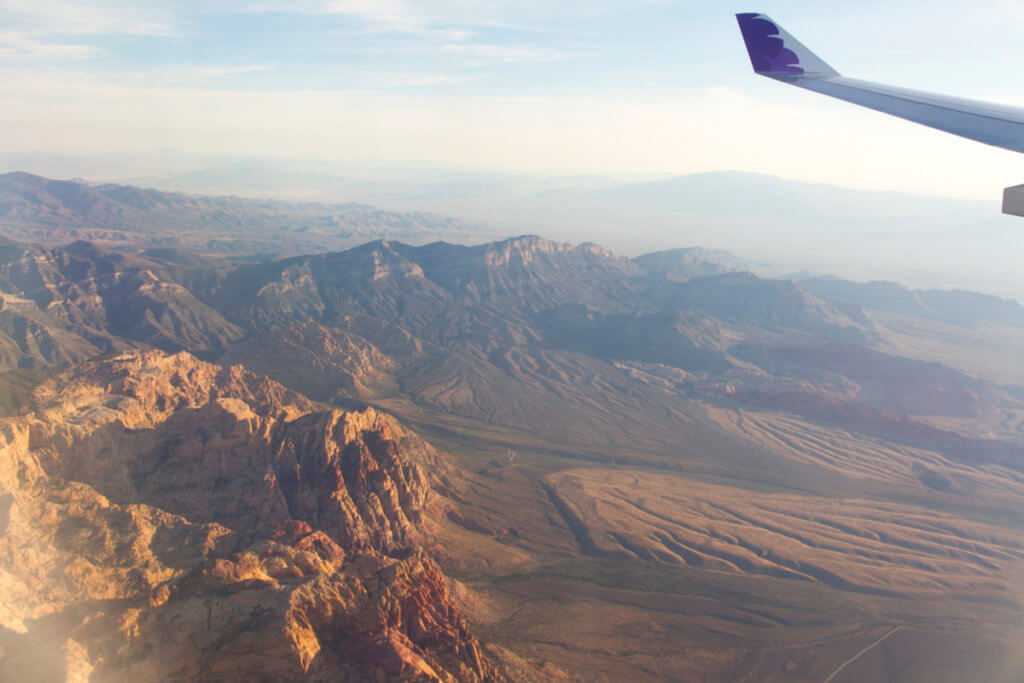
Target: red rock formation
pixel 165 518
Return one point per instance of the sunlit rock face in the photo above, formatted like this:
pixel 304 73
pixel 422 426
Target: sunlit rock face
pixel 166 518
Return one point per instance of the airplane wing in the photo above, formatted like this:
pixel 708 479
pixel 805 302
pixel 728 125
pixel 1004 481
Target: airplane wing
pixel 776 54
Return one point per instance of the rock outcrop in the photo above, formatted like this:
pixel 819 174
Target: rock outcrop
pixel 165 518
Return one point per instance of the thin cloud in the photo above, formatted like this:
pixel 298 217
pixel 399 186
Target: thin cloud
pixel 400 79
pixel 21 45
pixel 451 20
pixel 384 14
pixel 491 53
pixel 71 17
pixel 218 72
pixel 997 14
pixel 421 31
pixel 185 77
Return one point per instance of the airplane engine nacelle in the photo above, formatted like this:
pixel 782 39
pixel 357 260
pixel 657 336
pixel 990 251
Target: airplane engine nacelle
pixel 1013 200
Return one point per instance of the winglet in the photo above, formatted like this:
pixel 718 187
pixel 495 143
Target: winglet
pixel 775 53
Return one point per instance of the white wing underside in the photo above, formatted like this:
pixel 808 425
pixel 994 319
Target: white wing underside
pixel 992 124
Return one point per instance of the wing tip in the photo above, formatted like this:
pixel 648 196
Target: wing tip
pixel 765 46
pixel 775 53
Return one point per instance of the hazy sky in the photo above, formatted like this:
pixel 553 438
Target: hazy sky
pixel 552 86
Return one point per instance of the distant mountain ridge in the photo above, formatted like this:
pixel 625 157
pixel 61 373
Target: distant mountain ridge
pixel 783 225
pixel 690 262
pixel 37 209
pixel 953 306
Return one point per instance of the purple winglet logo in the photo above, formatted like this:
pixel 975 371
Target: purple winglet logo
pixel 767 52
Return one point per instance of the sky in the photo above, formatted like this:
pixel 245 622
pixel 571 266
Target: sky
pixel 549 87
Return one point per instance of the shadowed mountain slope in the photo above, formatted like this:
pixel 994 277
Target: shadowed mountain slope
pixel 66 304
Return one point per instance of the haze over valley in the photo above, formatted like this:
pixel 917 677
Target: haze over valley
pixel 776 226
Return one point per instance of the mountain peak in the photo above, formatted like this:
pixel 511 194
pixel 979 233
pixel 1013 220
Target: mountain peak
pixel 521 249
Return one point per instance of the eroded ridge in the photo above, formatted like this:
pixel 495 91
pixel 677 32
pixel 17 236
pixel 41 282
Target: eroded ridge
pixel 168 518
pixel 856 545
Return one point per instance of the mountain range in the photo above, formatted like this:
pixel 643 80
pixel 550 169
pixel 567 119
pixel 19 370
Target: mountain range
pixel 779 224
pixel 514 460
pixel 38 209
pixel 773 225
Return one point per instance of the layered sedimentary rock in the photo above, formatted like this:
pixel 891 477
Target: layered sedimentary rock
pixel 165 518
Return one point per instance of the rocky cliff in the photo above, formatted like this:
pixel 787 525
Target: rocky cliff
pixel 165 518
